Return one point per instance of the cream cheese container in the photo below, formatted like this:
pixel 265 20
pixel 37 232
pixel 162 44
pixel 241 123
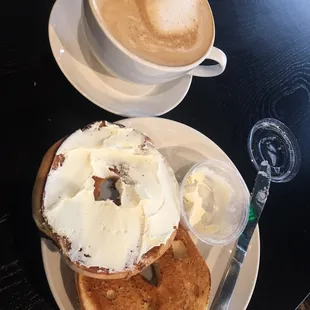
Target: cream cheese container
pixel 215 202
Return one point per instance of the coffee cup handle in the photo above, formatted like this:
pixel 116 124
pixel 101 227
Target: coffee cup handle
pixel 214 70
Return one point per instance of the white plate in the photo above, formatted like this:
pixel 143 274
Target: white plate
pixel 182 146
pixel 76 61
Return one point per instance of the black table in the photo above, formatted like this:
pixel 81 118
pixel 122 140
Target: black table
pixel 268 75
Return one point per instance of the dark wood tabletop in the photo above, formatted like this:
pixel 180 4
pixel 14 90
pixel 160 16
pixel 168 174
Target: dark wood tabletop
pixel 267 43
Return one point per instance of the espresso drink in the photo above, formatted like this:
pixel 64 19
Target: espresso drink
pixel 164 32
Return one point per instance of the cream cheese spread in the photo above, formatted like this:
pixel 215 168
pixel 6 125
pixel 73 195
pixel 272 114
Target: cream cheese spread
pixel 102 233
pixel 207 197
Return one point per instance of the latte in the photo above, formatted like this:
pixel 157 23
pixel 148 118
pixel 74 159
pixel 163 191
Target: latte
pixel 164 32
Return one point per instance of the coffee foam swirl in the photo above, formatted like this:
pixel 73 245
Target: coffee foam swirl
pixel 172 16
pixel 165 32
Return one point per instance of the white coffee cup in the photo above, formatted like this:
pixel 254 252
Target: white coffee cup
pixel 125 65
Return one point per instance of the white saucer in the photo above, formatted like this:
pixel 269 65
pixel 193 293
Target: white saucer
pixel 80 67
pixel 182 146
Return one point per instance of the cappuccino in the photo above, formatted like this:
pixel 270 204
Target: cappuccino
pixel 164 32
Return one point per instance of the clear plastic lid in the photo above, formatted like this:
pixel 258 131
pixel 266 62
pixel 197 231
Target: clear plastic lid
pixel 274 142
pixel 214 202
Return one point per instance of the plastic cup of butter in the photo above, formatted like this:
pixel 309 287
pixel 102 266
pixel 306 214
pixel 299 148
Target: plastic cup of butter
pixel 214 202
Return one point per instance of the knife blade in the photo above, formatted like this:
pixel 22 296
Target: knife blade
pixel 259 196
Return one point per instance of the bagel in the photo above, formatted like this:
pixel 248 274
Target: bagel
pixel 110 237
pixel 183 282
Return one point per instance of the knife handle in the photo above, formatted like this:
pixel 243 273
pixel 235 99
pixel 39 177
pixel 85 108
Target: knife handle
pixel 223 295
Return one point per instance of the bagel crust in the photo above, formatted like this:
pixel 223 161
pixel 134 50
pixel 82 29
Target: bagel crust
pixel 183 282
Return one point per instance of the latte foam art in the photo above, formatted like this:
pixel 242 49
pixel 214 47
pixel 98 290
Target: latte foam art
pixel 164 32
pixel 173 16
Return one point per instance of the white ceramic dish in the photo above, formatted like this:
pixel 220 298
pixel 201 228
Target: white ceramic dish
pixel 74 58
pixel 182 146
